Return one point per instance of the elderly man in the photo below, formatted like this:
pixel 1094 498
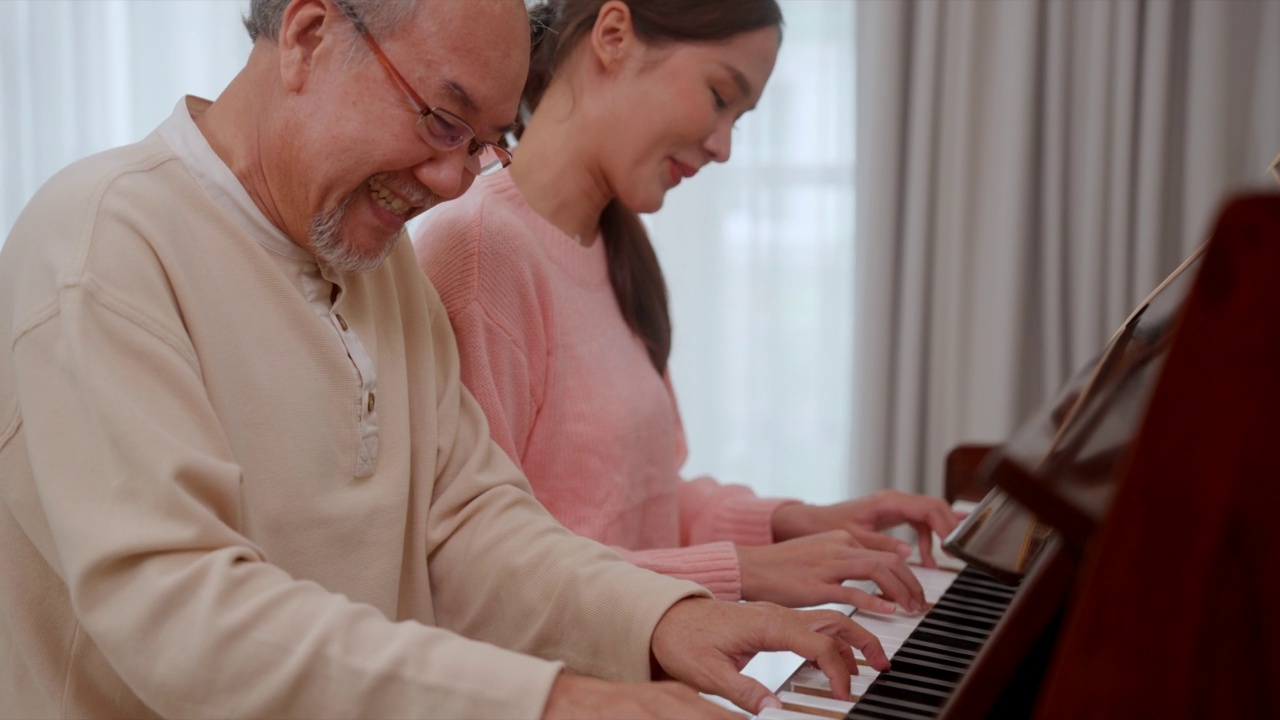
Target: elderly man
pixel 238 473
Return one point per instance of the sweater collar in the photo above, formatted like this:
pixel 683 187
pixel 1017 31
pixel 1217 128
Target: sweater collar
pixel 217 180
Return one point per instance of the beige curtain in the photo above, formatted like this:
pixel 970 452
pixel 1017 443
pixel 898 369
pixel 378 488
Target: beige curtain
pixel 1027 171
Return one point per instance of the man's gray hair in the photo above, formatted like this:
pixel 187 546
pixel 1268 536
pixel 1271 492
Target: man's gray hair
pixel 379 16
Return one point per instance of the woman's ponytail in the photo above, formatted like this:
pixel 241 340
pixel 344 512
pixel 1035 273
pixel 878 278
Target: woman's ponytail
pixel 637 280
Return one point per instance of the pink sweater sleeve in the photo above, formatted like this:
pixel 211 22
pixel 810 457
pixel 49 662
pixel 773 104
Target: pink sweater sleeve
pixel 712 565
pixel 497 363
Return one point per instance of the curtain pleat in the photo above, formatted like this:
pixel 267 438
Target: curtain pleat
pixel 1028 170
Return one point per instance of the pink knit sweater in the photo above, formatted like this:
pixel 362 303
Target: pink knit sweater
pixel 570 392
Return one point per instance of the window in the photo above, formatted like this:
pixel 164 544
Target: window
pixel 758 255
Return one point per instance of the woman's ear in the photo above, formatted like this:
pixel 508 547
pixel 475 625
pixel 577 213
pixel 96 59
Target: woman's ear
pixel 302 28
pixel 613 37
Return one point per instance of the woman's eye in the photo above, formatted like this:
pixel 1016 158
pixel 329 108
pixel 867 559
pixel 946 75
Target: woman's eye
pixel 719 100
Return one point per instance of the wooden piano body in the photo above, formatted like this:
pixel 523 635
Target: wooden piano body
pixel 1154 593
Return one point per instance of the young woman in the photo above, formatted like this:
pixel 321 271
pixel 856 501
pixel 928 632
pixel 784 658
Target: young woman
pixel 560 309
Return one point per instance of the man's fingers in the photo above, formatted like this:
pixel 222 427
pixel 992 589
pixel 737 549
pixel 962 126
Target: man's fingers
pixel 835 664
pixel 741 690
pixel 866 642
pixel 832 630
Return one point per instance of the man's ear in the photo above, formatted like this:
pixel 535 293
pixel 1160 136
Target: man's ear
pixel 613 37
pixel 304 25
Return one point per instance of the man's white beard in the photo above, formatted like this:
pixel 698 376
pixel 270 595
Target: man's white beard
pixel 331 249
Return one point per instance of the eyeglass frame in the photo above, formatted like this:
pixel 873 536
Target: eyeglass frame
pixel 425 112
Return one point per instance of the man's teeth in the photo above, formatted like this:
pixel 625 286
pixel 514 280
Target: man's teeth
pixel 388 199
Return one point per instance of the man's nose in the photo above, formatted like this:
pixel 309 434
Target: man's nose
pixel 445 174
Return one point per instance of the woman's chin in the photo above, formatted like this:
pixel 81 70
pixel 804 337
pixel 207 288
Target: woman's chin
pixel 648 204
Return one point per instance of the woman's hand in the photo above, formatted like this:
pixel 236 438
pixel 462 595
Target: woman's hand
pixel 811 571
pixel 864 518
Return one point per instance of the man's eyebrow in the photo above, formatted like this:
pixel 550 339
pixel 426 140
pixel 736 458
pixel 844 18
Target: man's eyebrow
pixel 458 92
pixel 469 106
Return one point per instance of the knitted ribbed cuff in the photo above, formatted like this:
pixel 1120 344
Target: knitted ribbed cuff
pixel 748 520
pixel 714 566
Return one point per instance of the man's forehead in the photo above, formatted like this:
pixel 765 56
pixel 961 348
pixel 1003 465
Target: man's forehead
pixel 468 55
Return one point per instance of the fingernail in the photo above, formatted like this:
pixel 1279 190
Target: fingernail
pixel 903 549
pixel 771 702
pixel 887 607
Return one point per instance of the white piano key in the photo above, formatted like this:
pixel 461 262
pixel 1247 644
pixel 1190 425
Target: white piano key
pixel 783 714
pixel 814 705
pixel 934 582
pixel 888 627
pixel 811 681
pixel 772 669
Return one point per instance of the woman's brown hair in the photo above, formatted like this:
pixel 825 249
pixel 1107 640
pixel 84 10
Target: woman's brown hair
pixel 558 27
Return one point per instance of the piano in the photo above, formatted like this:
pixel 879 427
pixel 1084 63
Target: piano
pixel 1121 560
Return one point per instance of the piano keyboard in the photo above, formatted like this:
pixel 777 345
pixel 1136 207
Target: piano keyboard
pixel 929 653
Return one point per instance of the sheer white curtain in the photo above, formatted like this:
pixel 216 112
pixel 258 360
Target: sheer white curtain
pixel 79 77
pixel 758 255
pixel 1029 170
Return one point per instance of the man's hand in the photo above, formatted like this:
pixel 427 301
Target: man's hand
pixel 810 571
pixel 705 643
pixel 575 697
pixel 864 518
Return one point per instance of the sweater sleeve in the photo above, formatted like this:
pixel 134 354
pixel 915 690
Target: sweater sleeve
pixel 501 364
pixel 712 565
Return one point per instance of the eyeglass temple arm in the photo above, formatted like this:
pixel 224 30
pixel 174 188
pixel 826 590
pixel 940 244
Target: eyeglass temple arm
pixel 419 106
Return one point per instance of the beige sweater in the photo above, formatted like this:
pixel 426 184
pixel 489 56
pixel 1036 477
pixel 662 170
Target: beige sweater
pixel 184 531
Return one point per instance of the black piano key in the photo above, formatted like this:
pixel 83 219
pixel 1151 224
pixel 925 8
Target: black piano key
pixel 871 712
pixel 979 586
pixel 907 698
pixel 964 590
pixel 951 651
pixel 935 632
pixel 965 615
pixel 980 606
pixel 942 622
pixel 922 666
pixel 915 691
pixel 988 583
pixel 933 659
pixel 925 681
pixel 950 664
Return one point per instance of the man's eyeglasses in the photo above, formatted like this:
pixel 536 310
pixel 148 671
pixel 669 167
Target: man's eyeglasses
pixel 438 128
